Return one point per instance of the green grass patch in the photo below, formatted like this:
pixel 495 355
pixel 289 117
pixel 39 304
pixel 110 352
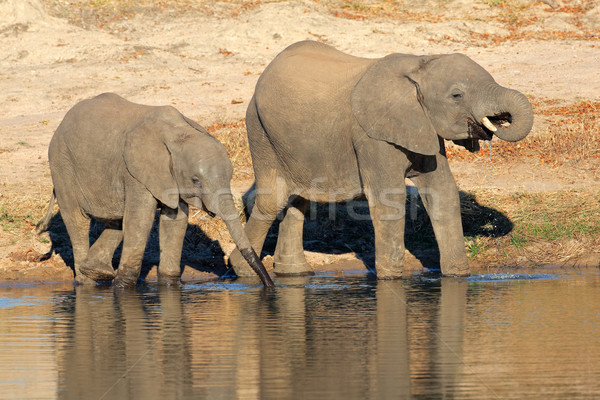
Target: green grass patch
pixel 517 240
pixel 556 216
pixel 475 246
pixel 550 227
pixel 12 221
pixel 20 215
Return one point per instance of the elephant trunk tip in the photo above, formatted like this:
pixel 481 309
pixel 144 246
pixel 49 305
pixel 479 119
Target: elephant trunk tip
pixel 512 120
pixel 511 128
pixel 258 267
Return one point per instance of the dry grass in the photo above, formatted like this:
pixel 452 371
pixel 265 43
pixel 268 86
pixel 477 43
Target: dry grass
pixel 20 211
pixel 233 136
pixel 517 16
pixel 522 19
pixel 106 14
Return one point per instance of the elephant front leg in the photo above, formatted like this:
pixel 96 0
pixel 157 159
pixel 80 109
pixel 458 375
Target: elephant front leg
pixel 140 207
pixel 387 209
pixel 440 196
pixel 271 197
pixel 383 168
pixel 172 228
pixel 256 229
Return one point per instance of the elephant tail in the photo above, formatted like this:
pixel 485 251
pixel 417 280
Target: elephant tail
pixel 44 224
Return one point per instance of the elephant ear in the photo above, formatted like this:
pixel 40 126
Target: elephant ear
pixel 148 160
pixel 386 102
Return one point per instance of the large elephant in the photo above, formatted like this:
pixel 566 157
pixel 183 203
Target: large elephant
pixel 117 161
pixel 326 126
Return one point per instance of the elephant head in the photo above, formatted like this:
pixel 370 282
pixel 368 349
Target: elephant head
pixel 411 100
pixel 187 163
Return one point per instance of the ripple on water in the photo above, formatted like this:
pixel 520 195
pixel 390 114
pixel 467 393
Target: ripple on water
pixel 16 302
pixel 327 286
pixel 504 277
pixel 230 286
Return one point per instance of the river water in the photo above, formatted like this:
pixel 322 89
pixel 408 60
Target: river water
pixel 505 336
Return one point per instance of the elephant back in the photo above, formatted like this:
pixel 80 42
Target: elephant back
pixel 307 69
pixel 302 103
pixel 86 152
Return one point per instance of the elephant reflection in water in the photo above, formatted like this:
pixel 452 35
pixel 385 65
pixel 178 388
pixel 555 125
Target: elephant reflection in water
pixel 383 343
pixel 388 340
pixel 436 336
pixel 111 351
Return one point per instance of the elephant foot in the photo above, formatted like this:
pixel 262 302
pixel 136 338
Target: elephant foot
pixel 240 266
pixel 291 263
pixel 388 273
pixel 292 269
pixel 169 280
pixel 456 269
pixel 98 272
pixel 125 281
pixel 83 280
pixel 456 272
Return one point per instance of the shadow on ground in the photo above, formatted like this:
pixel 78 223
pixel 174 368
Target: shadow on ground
pixel 330 229
pixel 199 252
pixel 333 228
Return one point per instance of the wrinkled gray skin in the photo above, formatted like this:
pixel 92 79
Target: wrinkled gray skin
pixel 326 126
pixel 117 161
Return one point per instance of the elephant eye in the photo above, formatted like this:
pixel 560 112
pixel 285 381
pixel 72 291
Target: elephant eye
pixel 196 181
pixel 457 95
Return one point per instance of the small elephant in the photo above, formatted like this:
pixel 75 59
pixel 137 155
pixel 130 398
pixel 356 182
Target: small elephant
pixel 117 161
pixel 326 126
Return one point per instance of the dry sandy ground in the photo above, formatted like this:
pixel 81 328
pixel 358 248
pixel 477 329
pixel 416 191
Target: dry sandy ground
pixel 205 61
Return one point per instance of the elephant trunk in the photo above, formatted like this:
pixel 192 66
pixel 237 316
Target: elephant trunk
pixel 227 211
pixel 507 113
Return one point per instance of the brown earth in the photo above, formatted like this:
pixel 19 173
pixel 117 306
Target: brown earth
pixel 205 57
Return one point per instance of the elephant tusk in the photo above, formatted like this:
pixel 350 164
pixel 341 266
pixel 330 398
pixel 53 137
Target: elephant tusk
pixel 486 122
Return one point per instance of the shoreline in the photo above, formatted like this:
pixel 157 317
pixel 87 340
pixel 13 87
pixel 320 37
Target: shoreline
pixel 55 270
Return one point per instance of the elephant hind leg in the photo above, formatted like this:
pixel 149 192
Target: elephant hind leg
pixel 98 263
pixel 78 228
pixel 289 256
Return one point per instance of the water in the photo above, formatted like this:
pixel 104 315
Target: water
pixel 513 336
